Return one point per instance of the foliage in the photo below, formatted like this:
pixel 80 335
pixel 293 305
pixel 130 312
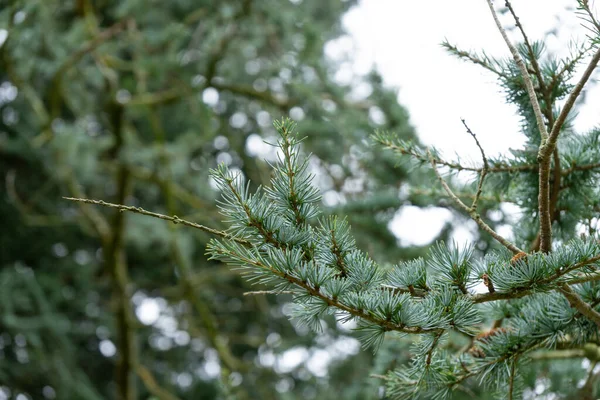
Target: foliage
pixel 542 303
pixel 133 102
pixel 501 325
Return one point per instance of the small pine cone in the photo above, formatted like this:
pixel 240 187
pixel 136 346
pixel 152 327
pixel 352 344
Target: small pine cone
pixel 517 257
pixel 476 352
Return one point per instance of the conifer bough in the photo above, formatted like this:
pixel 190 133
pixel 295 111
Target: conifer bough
pixel 539 303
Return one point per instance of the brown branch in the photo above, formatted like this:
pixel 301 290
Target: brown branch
pixel 577 302
pixel 590 351
pixel 76 56
pixel 388 325
pixel 585 278
pixel 116 264
pixel 585 167
pixel 527 290
pixel 474 215
pixel 545 151
pixel 153 387
pixel 534 63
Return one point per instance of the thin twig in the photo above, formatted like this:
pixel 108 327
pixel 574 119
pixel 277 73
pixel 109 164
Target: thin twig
pixel 174 219
pixel 474 215
pixel 526 77
pixel 261 292
pixel 484 170
pixel 534 63
pixel 453 165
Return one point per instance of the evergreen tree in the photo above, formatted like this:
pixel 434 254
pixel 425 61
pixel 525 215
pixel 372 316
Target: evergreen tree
pixel 133 102
pixel 539 315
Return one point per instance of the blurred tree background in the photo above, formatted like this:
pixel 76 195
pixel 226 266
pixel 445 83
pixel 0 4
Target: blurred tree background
pixel 132 102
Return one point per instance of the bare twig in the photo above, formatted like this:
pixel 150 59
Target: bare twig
pixel 183 263
pixel 261 292
pixel 474 215
pixel 484 170
pixel 174 219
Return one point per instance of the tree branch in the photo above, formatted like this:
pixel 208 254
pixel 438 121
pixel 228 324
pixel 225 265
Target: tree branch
pixel 174 219
pixel 474 215
pixel 577 302
pixel 484 170
pixel 527 290
pixel 525 75
pixel 153 387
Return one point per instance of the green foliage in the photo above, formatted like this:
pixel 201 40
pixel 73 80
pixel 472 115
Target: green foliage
pixel 162 105
pixel 134 102
pixel 540 301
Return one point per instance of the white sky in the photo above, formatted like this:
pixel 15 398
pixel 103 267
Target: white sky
pixel 402 39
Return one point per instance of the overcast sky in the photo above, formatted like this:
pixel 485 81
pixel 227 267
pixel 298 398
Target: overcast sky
pixel 402 39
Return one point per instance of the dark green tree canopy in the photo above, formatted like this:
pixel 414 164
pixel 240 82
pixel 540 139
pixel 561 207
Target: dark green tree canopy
pixel 133 102
pixel 163 108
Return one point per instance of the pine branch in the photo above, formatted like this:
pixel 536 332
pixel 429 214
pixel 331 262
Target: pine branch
pixel 174 219
pixel 474 215
pixel 422 156
pixel 485 62
pixel 585 167
pixel 315 292
pixel 527 290
pixel 577 302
